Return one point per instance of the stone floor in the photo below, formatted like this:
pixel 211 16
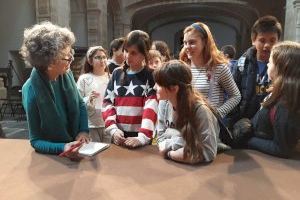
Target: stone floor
pixel 15 129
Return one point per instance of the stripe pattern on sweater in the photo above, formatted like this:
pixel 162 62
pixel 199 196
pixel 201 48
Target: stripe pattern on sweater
pixel 132 106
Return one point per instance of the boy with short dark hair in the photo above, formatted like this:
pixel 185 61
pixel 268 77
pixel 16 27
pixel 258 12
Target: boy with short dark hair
pixel 229 52
pixel 250 72
pixel 115 54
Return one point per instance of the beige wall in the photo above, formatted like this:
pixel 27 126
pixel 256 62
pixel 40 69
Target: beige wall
pixel 15 15
pixel 13 19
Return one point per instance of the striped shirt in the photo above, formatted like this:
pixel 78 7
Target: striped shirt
pixel 221 82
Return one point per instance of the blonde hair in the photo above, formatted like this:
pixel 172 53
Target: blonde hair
pixel 183 56
pixel 211 55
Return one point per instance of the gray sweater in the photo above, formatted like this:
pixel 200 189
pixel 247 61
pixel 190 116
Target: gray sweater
pixel 208 127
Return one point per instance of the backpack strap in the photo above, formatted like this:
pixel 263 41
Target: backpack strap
pixel 225 135
pixel 272 113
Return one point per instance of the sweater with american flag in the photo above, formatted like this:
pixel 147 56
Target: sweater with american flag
pixel 131 105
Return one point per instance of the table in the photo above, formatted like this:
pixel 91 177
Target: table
pixel 118 173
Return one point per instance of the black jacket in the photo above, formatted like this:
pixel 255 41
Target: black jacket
pixel 278 139
pixel 112 66
pixel 245 76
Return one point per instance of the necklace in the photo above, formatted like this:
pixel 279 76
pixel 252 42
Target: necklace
pixel 208 75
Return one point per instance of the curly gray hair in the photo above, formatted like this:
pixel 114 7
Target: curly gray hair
pixel 43 44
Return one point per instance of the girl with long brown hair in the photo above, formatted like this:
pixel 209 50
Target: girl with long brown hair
pixel 276 125
pixel 187 127
pixel 211 76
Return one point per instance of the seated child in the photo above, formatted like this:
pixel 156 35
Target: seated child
pixel 188 129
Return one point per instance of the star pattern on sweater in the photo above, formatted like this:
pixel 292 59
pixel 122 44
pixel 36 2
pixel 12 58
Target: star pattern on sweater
pixel 110 95
pixel 116 87
pixel 130 88
pixel 149 89
pixel 145 88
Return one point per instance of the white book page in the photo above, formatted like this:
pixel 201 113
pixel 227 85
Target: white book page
pixel 92 148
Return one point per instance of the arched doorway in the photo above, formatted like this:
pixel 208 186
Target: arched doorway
pixel 230 21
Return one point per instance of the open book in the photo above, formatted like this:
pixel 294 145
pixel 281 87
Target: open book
pixel 92 148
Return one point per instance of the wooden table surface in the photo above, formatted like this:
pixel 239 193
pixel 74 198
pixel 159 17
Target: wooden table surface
pixel 122 174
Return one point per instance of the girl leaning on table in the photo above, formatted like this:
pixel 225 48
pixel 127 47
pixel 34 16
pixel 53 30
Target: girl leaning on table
pixel 187 127
pixel 130 104
pixel 92 85
pixel 56 114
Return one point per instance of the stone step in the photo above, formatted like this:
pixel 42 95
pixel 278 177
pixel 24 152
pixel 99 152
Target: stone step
pixel 15 129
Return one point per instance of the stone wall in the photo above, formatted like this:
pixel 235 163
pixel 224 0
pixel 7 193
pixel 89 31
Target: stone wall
pixel 104 20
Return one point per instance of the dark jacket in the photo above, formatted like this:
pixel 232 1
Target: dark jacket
pixel 112 66
pixel 278 139
pixel 245 76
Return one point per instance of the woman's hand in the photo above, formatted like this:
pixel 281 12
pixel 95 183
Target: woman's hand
pixel 83 137
pixel 118 137
pixel 71 152
pixel 132 142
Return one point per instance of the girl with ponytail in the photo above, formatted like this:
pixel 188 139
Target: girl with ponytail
pixel 130 105
pixel 187 126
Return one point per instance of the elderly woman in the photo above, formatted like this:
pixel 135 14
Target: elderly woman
pixel 56 114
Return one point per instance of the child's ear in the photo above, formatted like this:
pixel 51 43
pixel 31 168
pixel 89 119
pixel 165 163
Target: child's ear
pixel 174 88
pixel 253 40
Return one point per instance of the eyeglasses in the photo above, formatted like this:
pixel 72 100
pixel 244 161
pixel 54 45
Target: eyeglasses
pixel 69 60
pixel 100 57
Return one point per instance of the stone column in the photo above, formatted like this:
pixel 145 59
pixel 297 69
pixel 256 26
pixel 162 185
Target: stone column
pixel 97 22
pixel 56 11
pixel 125 24
pixel 296 4
pixel 118 25
pixel 121 29
pixel 292 20
pixel 126 29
